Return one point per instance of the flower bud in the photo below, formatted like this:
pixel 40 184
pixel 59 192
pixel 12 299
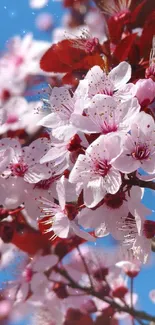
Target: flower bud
pixel 145 91
pixel 89 307
pixel 44 22
pixel 60 290
pixel 120 292
pixel 101 273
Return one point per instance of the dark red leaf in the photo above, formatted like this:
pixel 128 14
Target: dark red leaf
pixel 136 11
pixel 122 50
pixel 147 36
pixel 61 57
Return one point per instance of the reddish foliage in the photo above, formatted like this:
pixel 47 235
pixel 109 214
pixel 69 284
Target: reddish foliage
pixel 147 36
pixel 67 57
pixel 123 49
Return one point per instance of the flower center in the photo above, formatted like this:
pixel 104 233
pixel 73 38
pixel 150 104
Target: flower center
pixel 19 169
pixel 27 274
pixel 12 119
pixel 102 167
pixel 107 128
pixel 141 152
pixel 18 60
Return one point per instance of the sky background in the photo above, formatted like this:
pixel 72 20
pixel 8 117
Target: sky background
pixel 17 18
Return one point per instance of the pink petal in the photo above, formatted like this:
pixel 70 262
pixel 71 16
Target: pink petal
pixel 38 283
pixel 94 192
pixel 5 158
pixel 84 124
pixel 22 292
pixel 88 218
pixel 121 74
pixel 61 194
pixel 44 263
pixel 83 234
pixel 52 120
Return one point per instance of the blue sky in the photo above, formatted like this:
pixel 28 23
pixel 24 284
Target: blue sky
pixel 16 18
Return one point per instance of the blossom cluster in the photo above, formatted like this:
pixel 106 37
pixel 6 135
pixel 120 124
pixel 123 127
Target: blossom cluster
pixel 75 164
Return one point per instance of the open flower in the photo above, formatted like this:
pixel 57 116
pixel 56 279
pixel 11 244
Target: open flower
pixel 113 84
pixel 62 217
pixel 105 115
pixel 62 105
pixel 24 162
pixel 16 114
pixel 95 170
pixel 138 146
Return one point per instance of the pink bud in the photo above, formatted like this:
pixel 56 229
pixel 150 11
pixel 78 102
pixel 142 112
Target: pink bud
pixel 145 91
pixel 44 22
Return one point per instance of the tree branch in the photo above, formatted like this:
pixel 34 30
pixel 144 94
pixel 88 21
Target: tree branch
pixel 138 182
pixel 89 291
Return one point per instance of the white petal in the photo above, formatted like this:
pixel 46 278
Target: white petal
pixel 88 218
pixel 23 292
pixel 83 234
pixel 61 225
pixel 44 263
pixel 84 123
pixel 121 74
pixel 51 121
pixel 94 192
pixel 38 283
pixel 53 153
pixel 60 187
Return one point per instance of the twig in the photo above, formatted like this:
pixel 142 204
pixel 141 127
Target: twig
pixel 131 311
pixel 86 267
pixel 139 182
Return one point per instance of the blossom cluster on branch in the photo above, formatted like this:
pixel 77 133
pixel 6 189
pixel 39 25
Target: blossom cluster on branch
pixel 74 165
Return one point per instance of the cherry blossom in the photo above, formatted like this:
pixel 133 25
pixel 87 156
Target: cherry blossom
pixel 75 163
pixel 44 22
pixel 101 83
pixel 145 91
pixel 62 105
pixel 105 115
pixel 16 113
pixel 23 56
pixel 95 169
pixel 32 275
pixel 115 215
pixel 138 147
pixel 24 162
pixel 62 216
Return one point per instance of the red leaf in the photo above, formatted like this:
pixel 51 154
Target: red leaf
pixel 122 50
pixel 29 240
pixel 115 30
pixel 136 11
pixel 61 57
pixel 147 36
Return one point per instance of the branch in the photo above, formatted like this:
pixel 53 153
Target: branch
pixel 138 182
pixel 86 267
pixel 89 291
